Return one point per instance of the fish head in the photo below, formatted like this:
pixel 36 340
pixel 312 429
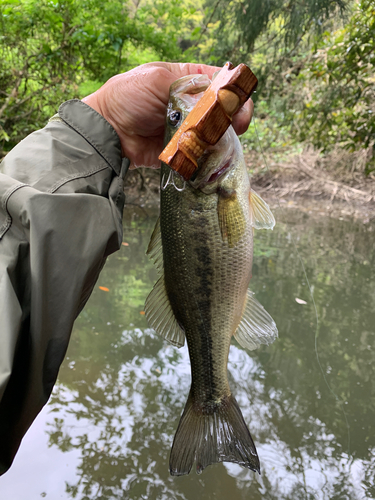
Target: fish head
pixel 218 163
pixel 183 96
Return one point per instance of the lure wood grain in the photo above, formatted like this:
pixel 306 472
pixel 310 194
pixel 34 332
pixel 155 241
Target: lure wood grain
pixel 209 119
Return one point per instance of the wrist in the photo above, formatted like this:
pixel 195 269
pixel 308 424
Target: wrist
pixel 94 101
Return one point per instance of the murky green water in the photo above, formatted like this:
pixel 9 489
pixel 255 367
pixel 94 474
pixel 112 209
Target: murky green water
pixel 108 429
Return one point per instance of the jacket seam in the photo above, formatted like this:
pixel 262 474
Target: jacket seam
pixel 80 175
pixel 8 221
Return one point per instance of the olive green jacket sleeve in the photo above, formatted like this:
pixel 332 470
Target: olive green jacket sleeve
pixel 61 203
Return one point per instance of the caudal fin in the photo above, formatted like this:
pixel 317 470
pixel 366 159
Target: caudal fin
pixel 219 435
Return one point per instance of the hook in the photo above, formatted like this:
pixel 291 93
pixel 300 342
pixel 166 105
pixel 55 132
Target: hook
pixel 171 181
pixel 168 180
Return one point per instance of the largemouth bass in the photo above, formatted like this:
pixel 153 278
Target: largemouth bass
pixel 203 246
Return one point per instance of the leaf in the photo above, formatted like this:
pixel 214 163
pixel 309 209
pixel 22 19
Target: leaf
pixel 300 301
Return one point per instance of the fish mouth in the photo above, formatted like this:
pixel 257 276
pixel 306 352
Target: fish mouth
pixel 221 171
pixel 206 174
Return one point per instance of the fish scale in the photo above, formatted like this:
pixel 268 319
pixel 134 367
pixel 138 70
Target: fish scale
pixel 210 308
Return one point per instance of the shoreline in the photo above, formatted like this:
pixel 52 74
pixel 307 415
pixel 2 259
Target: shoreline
pixel 282 186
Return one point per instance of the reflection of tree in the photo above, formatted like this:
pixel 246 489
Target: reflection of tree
pixel 121 390
pixel 113 412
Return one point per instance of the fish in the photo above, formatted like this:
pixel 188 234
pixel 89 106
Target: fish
pixel 202 246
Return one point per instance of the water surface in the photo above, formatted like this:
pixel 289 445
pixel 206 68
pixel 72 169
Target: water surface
pixel 309 399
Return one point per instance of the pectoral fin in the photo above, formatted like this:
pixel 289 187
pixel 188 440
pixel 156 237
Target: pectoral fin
pixel 260 213
pixel 160 316
pixel 256 326
pixel 231 218
pixel 155 248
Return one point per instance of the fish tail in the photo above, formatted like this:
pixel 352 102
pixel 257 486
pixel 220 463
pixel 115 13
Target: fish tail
pixel 208 436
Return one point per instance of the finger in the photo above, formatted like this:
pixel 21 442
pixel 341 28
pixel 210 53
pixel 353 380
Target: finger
pixel 241 120
pixel 183 69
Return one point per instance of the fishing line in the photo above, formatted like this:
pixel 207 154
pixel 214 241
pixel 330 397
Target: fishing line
pixel 339 401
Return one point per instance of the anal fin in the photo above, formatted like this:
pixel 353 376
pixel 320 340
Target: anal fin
pixel 160 316
pixel 256 326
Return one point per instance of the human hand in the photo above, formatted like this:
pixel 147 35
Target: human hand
pixel 135 103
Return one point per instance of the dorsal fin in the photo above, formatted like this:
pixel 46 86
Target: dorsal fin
pixel 155 248
pixel 260 213
pixel 256 326
pixel 160 316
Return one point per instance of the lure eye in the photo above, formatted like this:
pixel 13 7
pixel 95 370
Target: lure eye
pixel 174 118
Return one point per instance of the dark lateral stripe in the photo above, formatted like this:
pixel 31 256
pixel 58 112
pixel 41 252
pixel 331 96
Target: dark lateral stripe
pixel 203 292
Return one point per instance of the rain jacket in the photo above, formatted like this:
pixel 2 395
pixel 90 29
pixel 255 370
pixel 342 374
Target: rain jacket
pixel 61 203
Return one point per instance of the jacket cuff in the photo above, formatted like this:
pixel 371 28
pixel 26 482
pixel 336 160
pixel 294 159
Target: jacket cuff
pixel 95 129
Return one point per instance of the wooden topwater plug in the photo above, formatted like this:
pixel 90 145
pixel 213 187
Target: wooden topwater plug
pixel 209 119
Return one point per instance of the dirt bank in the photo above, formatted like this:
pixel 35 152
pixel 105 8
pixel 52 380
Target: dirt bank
pixel 334 184
pixel 313 183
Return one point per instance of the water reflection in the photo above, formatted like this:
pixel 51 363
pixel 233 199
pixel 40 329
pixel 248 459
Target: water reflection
pixel 121 389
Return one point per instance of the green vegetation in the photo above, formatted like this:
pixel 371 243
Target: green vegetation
pixel 54 51
pixel 340 79
pixel 314 59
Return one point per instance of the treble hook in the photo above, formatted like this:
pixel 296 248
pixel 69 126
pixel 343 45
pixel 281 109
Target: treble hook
pixel 171 180
pixel 178 189
pixel 168 180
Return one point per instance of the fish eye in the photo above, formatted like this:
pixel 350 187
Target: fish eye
pixel 174 118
